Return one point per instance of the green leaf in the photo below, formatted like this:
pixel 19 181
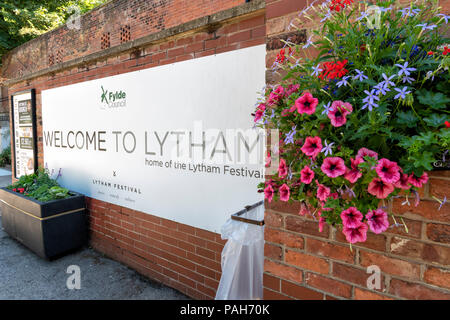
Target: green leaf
pixel 435 120
pixel 424 159
pixel 407 118
pixel 434 100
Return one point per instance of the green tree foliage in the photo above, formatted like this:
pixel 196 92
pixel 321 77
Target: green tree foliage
pixel 23 20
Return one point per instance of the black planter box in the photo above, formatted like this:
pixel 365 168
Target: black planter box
pixel 47 228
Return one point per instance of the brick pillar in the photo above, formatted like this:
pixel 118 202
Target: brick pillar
pixel 303 263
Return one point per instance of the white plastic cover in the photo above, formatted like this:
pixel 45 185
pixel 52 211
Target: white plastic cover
pixel 242 259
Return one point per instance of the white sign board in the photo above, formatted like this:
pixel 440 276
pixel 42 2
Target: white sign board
pixel 175 141
pixel 23 133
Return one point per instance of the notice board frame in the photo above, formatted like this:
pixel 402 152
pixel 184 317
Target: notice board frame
pixel 33 129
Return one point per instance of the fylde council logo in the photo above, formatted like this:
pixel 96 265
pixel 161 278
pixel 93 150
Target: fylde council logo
pixel 113 99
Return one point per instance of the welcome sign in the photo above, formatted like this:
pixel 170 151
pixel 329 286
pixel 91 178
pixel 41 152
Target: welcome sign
pixel 175 141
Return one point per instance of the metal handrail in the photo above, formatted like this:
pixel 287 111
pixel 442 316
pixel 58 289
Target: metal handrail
pixel 237 216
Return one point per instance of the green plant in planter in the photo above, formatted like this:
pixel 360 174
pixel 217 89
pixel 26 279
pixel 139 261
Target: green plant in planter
pixel 40 186
pixel 361 121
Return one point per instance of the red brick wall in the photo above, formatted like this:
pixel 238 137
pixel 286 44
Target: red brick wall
pixel 175 254
pixel 303 263
pixel 142 17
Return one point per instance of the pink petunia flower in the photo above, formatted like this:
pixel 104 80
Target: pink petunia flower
pixel 284 192
pixel 377 220
pixel 268 193
pixel 354 173
pixel 379 188
pixel 333 167
pixel 303 209
pixel 306 103
pixel 258 115
pixel 276 95
pixel 351 217
pixel 418 181
pixel 388 170
pixel 306 175
pixel 403 183
pixel 338 112
pixel 292 88
pixel 282 169
pixel 268 160
pixel 312 146
pixel 323 192
pixel 356 234
pixel 322 222
pixel 366 152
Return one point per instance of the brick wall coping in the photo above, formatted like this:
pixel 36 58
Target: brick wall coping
pixel 210 22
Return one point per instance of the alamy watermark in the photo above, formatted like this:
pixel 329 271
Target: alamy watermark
pixel 74 280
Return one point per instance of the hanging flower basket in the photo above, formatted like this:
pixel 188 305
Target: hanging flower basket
pixel 362 111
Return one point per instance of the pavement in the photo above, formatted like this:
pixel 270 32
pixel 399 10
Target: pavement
pixel 23 275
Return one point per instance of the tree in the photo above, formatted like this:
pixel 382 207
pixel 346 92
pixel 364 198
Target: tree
pixel 23 20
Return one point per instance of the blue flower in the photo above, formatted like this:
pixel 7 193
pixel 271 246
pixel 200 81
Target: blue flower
pixel 326 107
pixel 328 148
pixel 316 71
pixel 327 16
pixel 360 76
pixel 308 43
pixel 445 17
pixel 343 82
pixel 408 79
pixel 425 26
pixel 371 96
pixel 404 69
pixel 382 88
pixel 290 135
pixel 369 105
pixel 387 80
pixel 363 15
pixel 402 93
pixel 369 100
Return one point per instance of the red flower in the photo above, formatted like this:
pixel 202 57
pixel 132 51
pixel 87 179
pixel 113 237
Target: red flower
pixel 276 95
pixel 15 190
pixel 334 70
pixel 323 192
pixel 312 146
pixel 379 188
pixel 388 170
pixel 268 193
pixel 306 103
pixel 366 152
pixel 356 234
pixel 354 173
pixel 337 5
pixel 282 169
pixel 21 190
pixel 333 167
pixel 338 112
pixel 402 183
pixel 447 124
pixel 418 181
pixel 377 220
pixel 446 51
pixel 306 175
pixel 280 56
pixel 284 192
pixel 351 217
pixel 430 53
